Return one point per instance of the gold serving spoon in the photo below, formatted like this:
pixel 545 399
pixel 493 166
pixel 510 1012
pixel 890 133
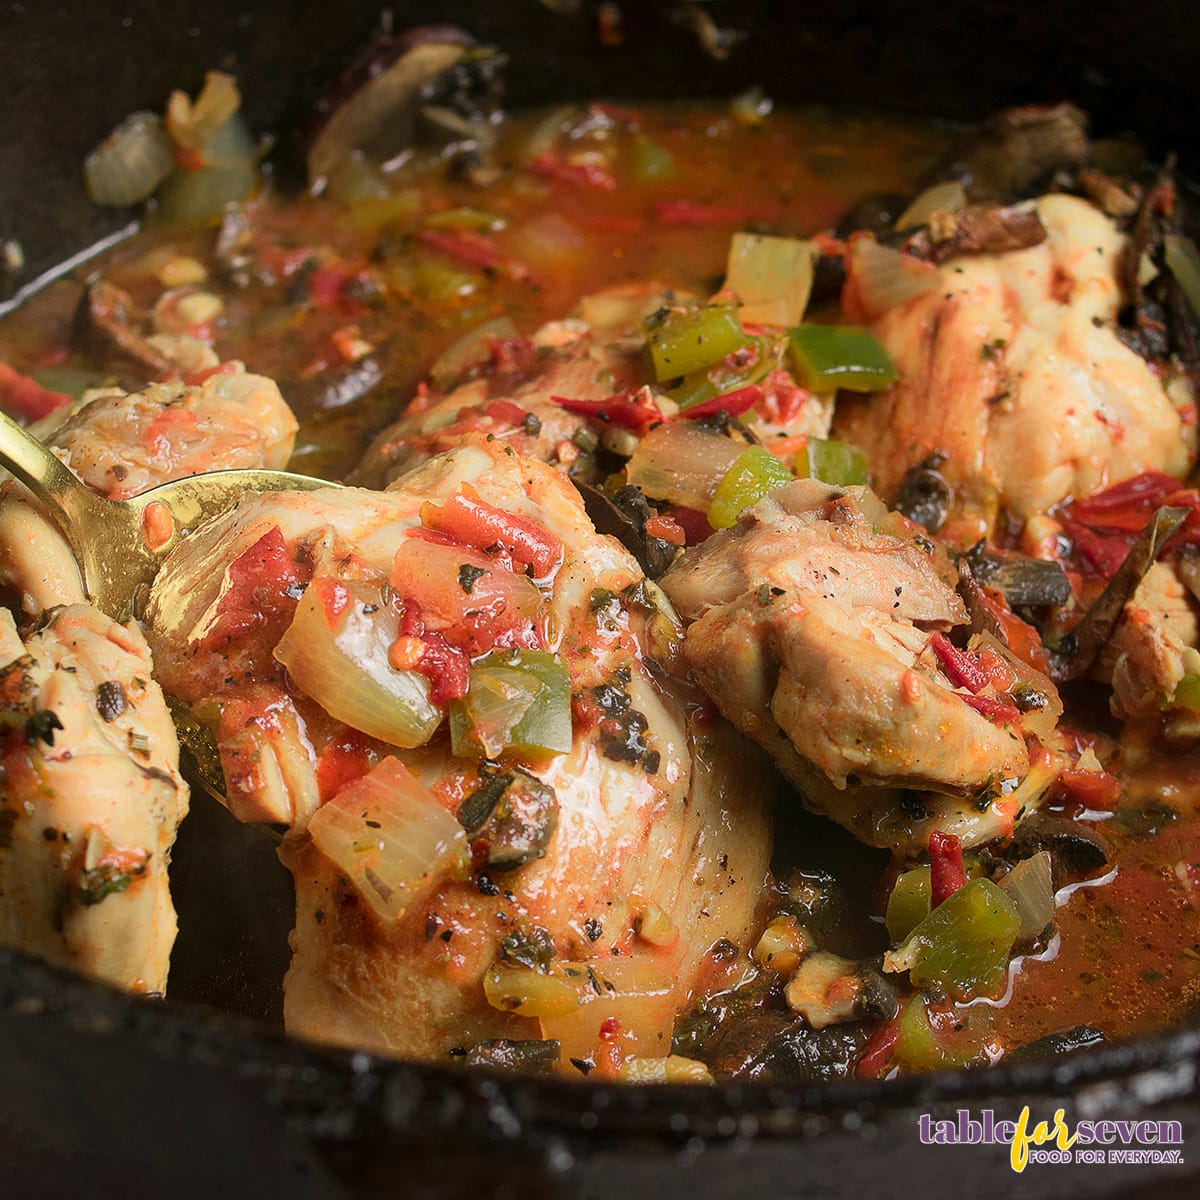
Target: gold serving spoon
pixel 119 545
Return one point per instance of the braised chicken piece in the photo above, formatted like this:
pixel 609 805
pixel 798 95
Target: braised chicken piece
pixel 90 799
pixel 1014 385
pixel 818 626
pixel 122 443
pixel 221 418
pixel 560 860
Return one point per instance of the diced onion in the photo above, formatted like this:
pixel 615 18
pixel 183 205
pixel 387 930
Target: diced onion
pixel 672 1069
pixel 950 196
pixel 130 163
pixel 772 277
pixel 1029 885
pixel 682 462
pixel 391 839
pixel 194 126
pixel 886 278
pixel 637 993
pixel 529 992
pixel 342 663
pixel 469 351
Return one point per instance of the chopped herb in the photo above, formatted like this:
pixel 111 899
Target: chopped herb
pixel 530 947
pixel 41 726
pixel 106 879
pixel 467 575
pixel 593 929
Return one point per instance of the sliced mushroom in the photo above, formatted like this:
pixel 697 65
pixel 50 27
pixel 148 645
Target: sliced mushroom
pixel 770 1047
pixel 1025 582
pixel 829 990
pixel 1077 851
pixel 376 106
pixel 105 327
pixel 514 816
pixel 623 515
pixel 1010 152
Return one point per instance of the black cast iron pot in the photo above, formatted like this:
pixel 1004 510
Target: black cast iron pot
pixel 101 1094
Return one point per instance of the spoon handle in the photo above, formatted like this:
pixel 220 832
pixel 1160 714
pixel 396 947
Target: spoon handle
pixel 33 463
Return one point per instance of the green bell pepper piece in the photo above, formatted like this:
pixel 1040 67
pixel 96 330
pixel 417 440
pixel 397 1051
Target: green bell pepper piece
pixel 516 700
pixel 908 905
pixel 686 340
pixel 650 160
pixel 1187 693
pixel 755 472
pixel 963 946
pixel 828 357
pixel 920 1047
pixel 832 462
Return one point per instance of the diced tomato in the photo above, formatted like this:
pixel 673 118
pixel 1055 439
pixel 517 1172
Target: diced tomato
pixel 629 410
pixel 475 523
pixel 664 526
pixel 688 212
pixel 1104 526
pixel 506 412
pixel 877 1054
pixel 258 583
pixel 446 667
pixel 1098 790
pixel 475 602
pixel 1124 507
pixel 1023 640
pixel 513 356
pixel 736 402
pixel 21 396
pixel 343 761
pixel 946 870
pixel 992 709
pixel 581 174
pixel 473 249
pixel 326 285
pixel 782 401
pixel 693 522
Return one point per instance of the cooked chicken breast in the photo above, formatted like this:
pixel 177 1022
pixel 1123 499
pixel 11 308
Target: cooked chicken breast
pixel 660 840
pixel 90 800
pixel 1011 372
pixel 814 626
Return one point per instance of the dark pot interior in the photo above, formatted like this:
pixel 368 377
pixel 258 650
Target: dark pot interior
pixel 98 1091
